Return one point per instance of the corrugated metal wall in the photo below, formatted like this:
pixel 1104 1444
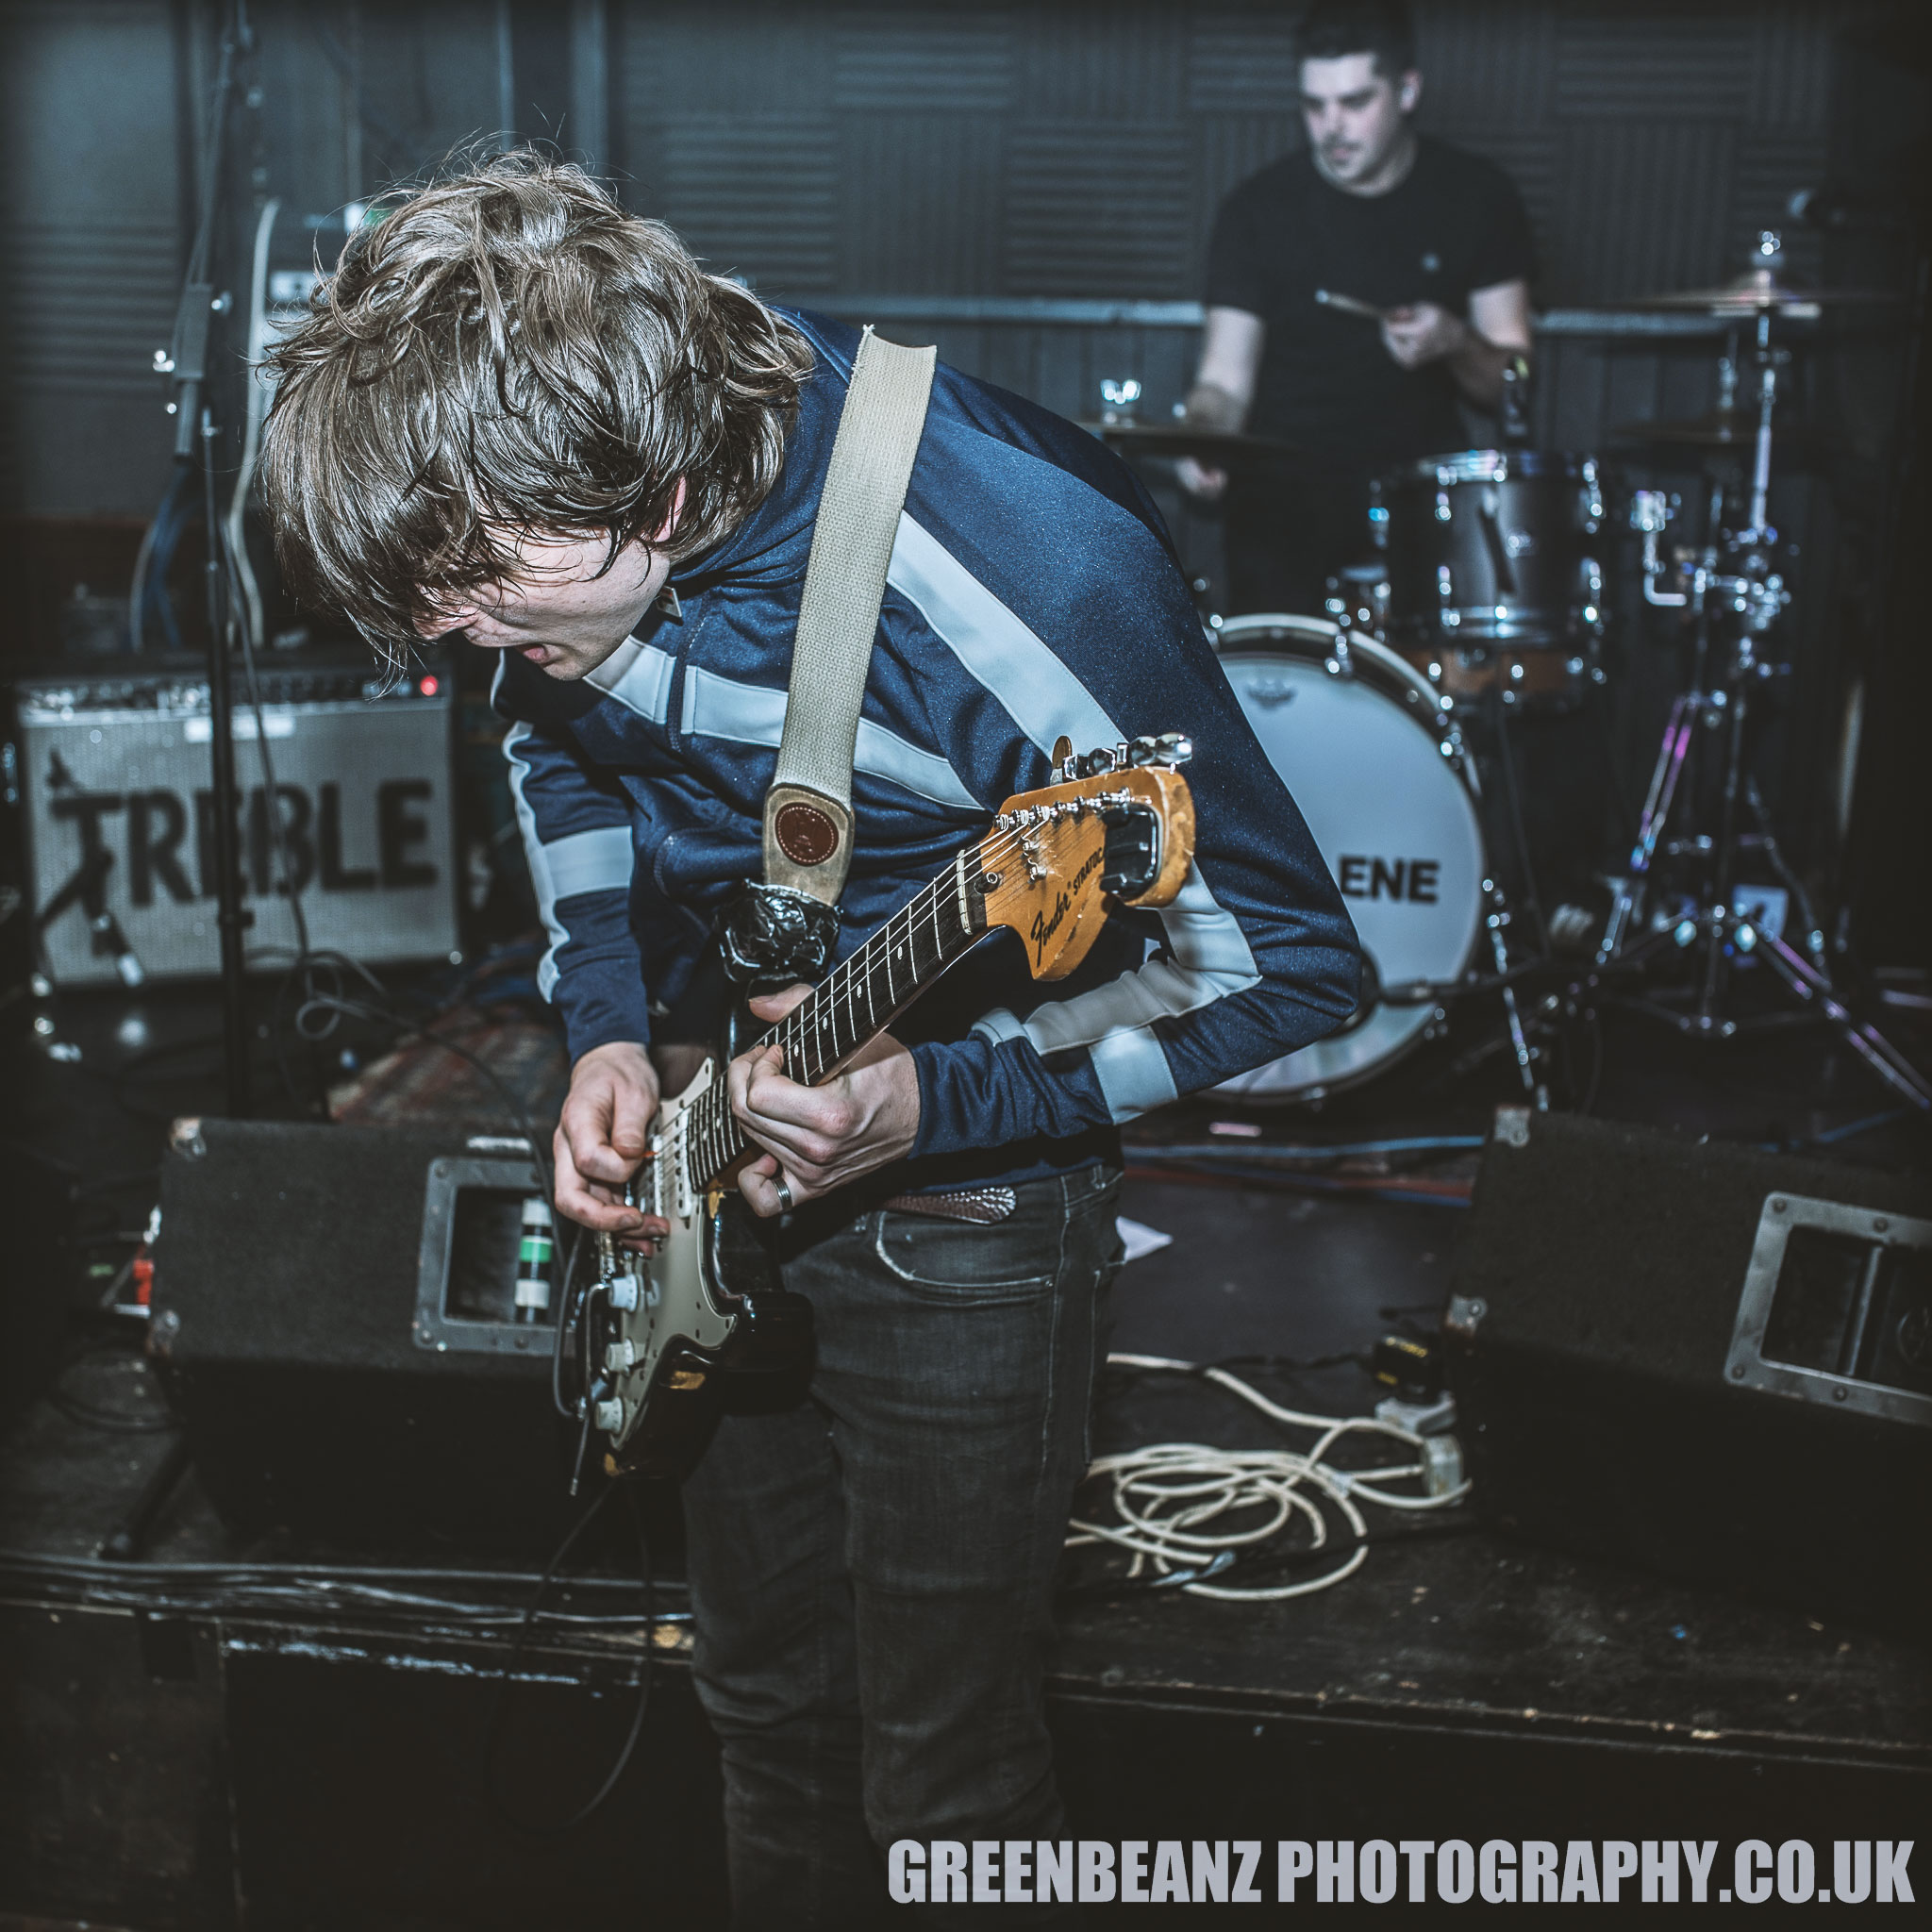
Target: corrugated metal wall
pixel 90 154
pixel 831 152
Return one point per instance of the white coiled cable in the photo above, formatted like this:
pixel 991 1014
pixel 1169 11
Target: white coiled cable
pixel 1167 1494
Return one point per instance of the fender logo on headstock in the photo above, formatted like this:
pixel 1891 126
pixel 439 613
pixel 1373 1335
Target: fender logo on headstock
pixel 1044 928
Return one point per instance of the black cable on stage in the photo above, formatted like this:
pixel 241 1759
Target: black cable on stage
pixel 492 1736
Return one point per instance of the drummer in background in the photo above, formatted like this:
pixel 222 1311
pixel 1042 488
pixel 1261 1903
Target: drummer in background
pixel 1370 209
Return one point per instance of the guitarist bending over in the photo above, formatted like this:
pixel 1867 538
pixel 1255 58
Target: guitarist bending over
pixel 518 412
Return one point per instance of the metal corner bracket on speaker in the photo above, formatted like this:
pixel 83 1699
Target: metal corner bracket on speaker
pixel 434 1328
pixel 1868 1248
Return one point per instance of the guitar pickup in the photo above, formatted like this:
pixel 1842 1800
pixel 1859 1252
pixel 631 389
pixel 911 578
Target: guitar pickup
pixel 1132 861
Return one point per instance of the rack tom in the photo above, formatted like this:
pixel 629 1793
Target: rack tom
pixel 1490 566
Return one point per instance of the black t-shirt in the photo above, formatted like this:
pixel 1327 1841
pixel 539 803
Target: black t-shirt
pixel 1452 225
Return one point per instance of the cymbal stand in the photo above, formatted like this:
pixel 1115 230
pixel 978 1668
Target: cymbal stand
pixel 1745 599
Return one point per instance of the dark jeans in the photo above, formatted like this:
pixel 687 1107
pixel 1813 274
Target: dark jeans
pixel 872 1571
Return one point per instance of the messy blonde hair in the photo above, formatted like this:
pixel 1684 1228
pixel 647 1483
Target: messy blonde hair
pixel 508 352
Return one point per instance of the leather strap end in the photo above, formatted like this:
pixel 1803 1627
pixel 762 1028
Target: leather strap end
pixel 808 842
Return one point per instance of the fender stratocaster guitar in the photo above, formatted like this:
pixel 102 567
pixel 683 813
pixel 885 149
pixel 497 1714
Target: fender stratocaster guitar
pixel 1116 829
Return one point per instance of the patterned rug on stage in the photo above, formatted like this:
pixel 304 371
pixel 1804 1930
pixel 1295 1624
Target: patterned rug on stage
pixel 439 1079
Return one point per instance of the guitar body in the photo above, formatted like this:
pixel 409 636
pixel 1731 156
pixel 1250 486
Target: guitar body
pixel 670 1332
pixel 705 1305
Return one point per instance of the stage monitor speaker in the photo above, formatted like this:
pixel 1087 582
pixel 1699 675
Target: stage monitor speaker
pixel 113 770
pixel 1702 1359
pixel 336 1319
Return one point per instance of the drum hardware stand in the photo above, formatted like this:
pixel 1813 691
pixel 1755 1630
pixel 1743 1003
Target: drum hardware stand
pixel 1498 708
pixel 1497 921
pixel 1516 1032
pixel 1749 596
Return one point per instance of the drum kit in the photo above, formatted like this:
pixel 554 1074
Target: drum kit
pixel 1487 602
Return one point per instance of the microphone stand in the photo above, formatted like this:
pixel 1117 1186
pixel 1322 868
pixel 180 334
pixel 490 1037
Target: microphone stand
pixel 196 437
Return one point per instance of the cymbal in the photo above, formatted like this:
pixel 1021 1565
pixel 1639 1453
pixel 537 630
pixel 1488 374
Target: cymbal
pixel 1754 291
pixel 1186 439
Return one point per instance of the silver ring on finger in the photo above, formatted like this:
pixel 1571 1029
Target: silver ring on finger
pixel 784 1196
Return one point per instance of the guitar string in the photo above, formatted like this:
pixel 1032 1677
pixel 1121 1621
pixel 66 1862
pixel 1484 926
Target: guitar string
pixel 901 928
pixel 709 1128
pixel 792 1034
pixel 712 1135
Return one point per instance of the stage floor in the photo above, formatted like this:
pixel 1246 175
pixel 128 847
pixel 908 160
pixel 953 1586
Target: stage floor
pixel 312 1735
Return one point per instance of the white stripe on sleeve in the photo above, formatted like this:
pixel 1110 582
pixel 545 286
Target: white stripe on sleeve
pixel 1043 698
pixel 639 677
pixel 534 851
pixel 594 861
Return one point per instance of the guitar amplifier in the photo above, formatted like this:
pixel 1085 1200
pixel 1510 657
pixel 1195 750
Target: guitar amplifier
pixel 1702 1359
pixel 337 1318
pixel 112 770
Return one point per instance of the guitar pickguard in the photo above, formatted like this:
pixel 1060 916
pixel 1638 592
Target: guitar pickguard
pixel 678 1308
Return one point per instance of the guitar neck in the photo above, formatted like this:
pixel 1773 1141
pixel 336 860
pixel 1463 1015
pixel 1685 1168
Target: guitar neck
pixel 853 1004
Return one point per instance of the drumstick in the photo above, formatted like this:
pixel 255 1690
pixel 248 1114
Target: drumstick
pixel 1350 306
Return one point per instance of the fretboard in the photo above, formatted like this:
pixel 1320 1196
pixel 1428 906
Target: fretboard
pixel 852 1004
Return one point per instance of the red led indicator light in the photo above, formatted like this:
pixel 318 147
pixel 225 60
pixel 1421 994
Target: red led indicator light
pixel 428 687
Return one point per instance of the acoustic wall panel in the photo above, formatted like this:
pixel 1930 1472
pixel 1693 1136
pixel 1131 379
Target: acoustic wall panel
pixel 755 196
pixel 1067 148
pixel 426 79
pixel 1791 65
pixel 88 303
pixel 1101 205
pixel 1644 67
pixel 1491 63
pixel 1104 133
pixel 747 58
pixel 906 61
pixel 1644 206
pixel 1241 64
pixel 918 208
pixel 92 252
pixel 1115 61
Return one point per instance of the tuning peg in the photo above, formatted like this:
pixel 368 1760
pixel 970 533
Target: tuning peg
pixel 1169 749
pixel 1093 763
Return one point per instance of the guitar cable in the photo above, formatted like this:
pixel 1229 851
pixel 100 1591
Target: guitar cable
pixel 499 1699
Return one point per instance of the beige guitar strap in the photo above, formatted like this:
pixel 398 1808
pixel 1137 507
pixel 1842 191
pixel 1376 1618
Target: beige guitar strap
pixel 808 825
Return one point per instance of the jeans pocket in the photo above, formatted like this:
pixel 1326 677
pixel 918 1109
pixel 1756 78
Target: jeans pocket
pixel 954 1262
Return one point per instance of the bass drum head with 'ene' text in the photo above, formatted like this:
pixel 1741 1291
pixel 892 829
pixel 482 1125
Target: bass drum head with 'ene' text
pixel 1365 746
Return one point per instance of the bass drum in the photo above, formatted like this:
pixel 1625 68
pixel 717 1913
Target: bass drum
pixel 1366 745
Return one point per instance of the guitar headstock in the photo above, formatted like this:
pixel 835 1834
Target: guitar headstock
pixel 1116 827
